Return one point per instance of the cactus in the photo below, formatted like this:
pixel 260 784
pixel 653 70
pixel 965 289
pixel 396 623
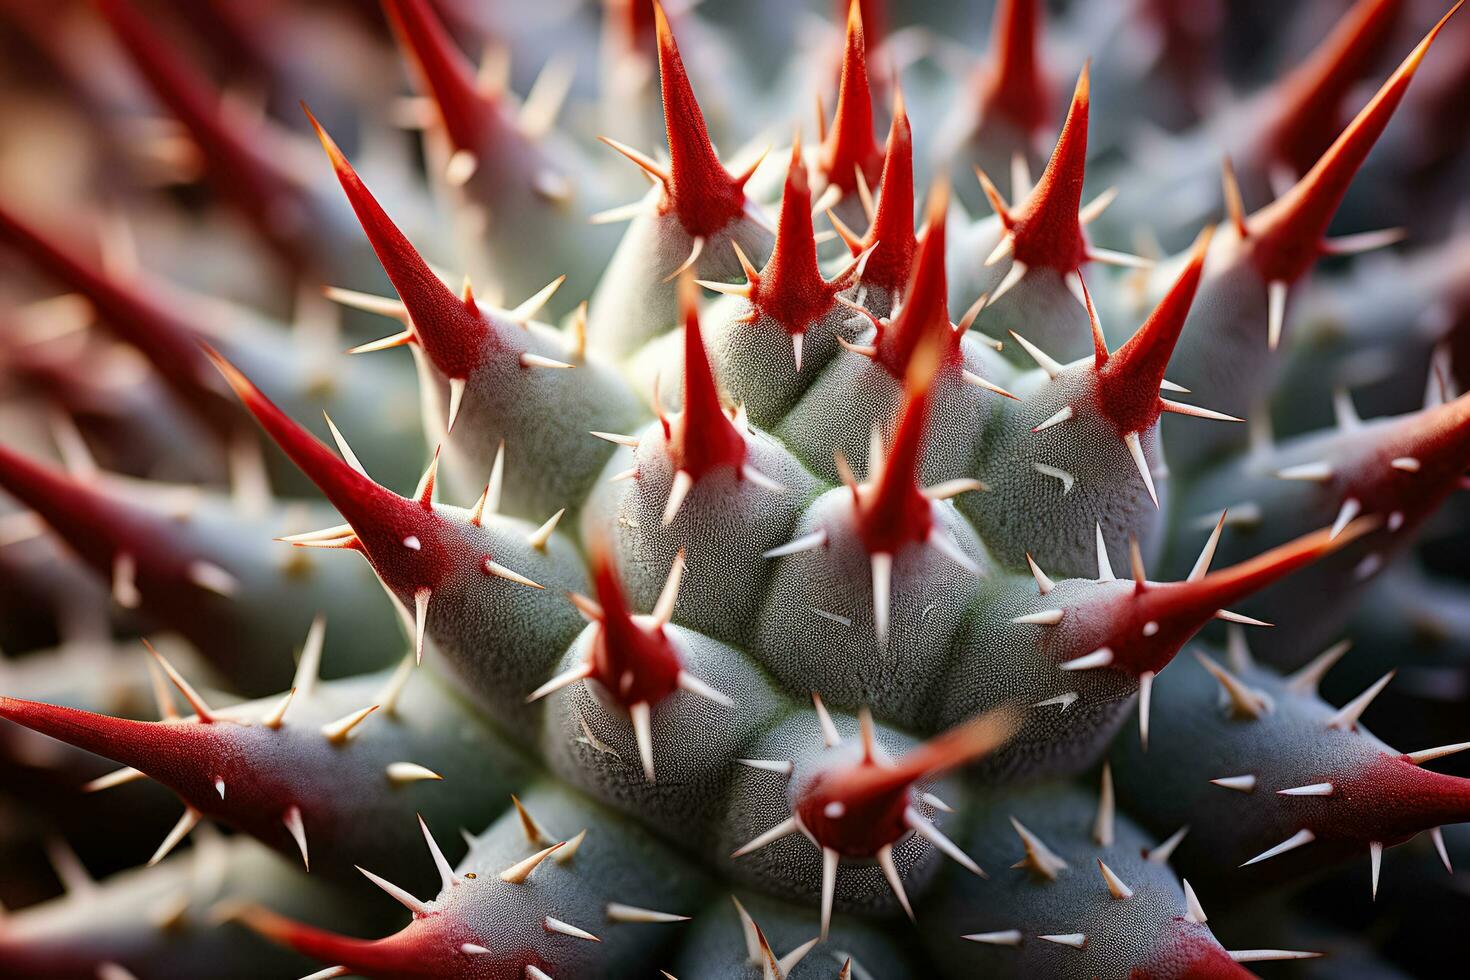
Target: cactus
pixel 735 591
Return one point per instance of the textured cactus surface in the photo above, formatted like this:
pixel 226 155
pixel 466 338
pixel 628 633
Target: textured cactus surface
pixel 821 490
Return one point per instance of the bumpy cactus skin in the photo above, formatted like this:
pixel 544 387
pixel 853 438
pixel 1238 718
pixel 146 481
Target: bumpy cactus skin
pixel 771 560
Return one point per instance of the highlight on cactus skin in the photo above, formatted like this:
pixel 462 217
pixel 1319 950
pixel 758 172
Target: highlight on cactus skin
pixel 761 490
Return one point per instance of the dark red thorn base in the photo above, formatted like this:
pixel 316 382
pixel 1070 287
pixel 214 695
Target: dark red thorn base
pixel 850 145
pixel 635 664
pixel 1046 229
pixel 170 345
pixel 872 795
pixel 239 170
pixel 426 949
pixel 1286 235
pixel 452 330
pixel 699 190
pixel 923 317
pixel 1013 86
pixel 1308 102
pixel 467 114
pixel 892 230
pixel 790 289
pixel 1146 627
pixel 1128 380
pixel 702 438
pixel 893 511
pixel 409 545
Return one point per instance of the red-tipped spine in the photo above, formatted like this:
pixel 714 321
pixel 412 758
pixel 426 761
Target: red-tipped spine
pixel 1013 86
pixel 177 752
pixel 790 289
pixel 356 496
pixel 1129 378
pixel 428 948
pixel 446 72
pixel 1309 101
pixel 1046 228
pixel 873 795
pixel 1178 610
pixel 892 231
pixel 894 512
pixel 170 346
pixel 1287 234
pixel 850 145
pixel 635 663
pixel 94 525
pixel 924 315
pixel 703 438
pixel 451 328
pixel 266 195
pixel 699 189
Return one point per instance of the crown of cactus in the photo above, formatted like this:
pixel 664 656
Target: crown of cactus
pixel 753 610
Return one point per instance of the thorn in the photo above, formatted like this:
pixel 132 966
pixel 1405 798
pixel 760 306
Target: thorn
pixel 807 542
pixel 402 773
pixel 1346 719
pixel 1101 657
pixel 1275 311
pixel 577 673
pixel 683 483
pixel 1043 583
pixel 1244 702
pixel 783 829
pixel 830 736
pixel 538 538
pixel 1315 789
pixel 1006 937
pixel 641 714
pixel 180 830
pixel 618 912
pixel 490 498
pixel 441 864
pixel 338 732
pixel 1061 416
pixel 570 850
pixel 1318 472
pixel 1207 553
pixel 567 929
pixel 115 778
pixel 1193 910
pixel 492 567
pixel 1135 449
pixel 530 360
pixel 1074 939
pixel 1242 784
pixel 1345 515
pixel 421 598
pixel 1439 752
pixel 456 399
pixel 1298 839
pixel 1104 566
pixel 881 564
pixel 294 825
pixel 190 695
pixel 890 871
pixel 1436 835
pixel 1039 858
pixel 398 894
pixel 1116 887
pixel 782 767
pixel 517 873
pixel 1165 850
pixel 939 839
pixel 1047 365
pixel 1263 955
pixel 829 886
pixel 1145 704
pixel 1046 617
pixel 1103 826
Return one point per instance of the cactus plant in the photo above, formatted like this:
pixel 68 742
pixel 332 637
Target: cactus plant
pixel 755 612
